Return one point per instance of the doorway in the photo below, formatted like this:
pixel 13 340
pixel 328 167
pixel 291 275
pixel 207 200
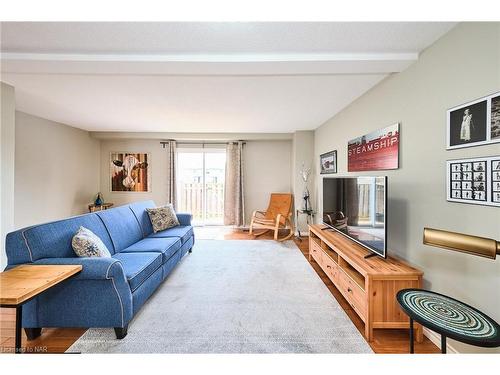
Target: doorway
pixel 200 183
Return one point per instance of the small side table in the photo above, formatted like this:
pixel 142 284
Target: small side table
pixel 448 317
pixel 25 282
pixel 93 207
pixel 309 219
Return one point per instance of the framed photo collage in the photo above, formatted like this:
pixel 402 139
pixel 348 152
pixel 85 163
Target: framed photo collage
pixel 474 181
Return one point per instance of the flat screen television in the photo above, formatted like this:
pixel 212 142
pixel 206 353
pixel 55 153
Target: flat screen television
pixel 357 208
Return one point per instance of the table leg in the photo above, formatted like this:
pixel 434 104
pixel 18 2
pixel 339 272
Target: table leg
pixel 19 323
pixel 297 225
pixel 443 344
pixel 412 349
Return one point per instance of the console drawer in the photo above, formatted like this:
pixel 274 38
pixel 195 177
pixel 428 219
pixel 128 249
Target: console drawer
pixel 353 293
pixel 315 251
pixel 334 274
pixel 330 267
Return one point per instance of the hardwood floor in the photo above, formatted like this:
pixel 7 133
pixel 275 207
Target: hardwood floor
pixel 57 340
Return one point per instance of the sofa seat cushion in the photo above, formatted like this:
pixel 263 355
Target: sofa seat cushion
pixel 139 266
pixel 184 232
pixel 166 246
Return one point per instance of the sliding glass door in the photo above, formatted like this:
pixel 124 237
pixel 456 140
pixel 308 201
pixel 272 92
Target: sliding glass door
pixel 200 183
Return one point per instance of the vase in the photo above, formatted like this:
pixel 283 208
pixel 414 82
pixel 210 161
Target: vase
pixel 99 201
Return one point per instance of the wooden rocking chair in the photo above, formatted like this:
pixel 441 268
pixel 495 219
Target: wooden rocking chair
pixel 276 217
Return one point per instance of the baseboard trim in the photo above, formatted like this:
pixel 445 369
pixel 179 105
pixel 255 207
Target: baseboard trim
pixel 436 340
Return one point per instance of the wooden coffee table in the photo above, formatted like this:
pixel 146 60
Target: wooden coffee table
pixel 25 282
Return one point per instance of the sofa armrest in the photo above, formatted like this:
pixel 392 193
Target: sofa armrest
pixel 99 296
pixel 93 268
pixel 184 218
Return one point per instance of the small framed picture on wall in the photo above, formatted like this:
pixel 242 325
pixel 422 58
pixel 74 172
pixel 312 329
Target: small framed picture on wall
pixel 328 162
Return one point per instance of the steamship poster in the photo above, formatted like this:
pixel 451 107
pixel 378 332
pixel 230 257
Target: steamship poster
pixel 378 150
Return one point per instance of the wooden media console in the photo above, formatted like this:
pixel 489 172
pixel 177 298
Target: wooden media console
pixel 369 285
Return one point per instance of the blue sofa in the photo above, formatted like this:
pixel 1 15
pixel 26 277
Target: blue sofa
pixel 108 292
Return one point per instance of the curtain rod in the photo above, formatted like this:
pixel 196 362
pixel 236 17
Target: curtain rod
pixel 164 143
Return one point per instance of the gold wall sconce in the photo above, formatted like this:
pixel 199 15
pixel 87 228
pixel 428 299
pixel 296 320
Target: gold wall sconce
pixel 464 243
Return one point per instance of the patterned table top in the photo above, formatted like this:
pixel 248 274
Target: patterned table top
pixel 450 317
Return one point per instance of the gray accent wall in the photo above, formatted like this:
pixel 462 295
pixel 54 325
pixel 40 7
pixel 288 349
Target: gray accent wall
pixel 461 66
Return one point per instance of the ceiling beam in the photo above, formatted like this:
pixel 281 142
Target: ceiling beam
pixel 192 136
pixel 279 57
pixel 207 64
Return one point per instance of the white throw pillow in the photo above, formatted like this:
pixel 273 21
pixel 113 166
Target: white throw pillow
pixel 86 244
pixel 163 217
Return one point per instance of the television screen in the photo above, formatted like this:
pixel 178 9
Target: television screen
pixel 356 207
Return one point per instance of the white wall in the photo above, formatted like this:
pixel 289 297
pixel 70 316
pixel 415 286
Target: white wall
pixel 267 166
pixel 57 170
pixel 461 66
pixel 267 170
pixel 157 163
pixel 7 155
pixel 303 153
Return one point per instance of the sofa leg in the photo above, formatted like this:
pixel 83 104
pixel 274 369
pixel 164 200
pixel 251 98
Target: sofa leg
pixel 33 333
pixel 121 332
pixel 190 250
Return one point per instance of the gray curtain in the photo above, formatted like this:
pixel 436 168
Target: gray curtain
pixel 171 148
pixel 234 202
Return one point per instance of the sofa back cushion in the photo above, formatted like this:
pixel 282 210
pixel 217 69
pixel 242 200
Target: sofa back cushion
pixel 53 240
pixel 122 226
pixel 139 210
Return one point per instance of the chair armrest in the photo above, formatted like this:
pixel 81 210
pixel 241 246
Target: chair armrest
pixel 263 213
pixel 93 268
pixel 184 218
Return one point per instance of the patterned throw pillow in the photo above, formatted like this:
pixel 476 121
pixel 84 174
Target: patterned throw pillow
pixel 86 244
pixel 163 217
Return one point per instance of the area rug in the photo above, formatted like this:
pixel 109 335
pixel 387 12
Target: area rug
pixel 236 296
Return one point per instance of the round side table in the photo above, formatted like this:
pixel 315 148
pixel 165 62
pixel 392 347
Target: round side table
pixel 448 317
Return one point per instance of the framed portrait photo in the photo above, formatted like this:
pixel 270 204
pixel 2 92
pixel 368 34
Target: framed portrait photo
pixel 475 123
pixel 328 162
pixel 495 119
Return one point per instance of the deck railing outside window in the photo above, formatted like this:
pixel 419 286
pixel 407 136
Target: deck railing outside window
pixel 191 200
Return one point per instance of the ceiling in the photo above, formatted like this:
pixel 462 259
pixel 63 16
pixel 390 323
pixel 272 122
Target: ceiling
pixel 202 77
